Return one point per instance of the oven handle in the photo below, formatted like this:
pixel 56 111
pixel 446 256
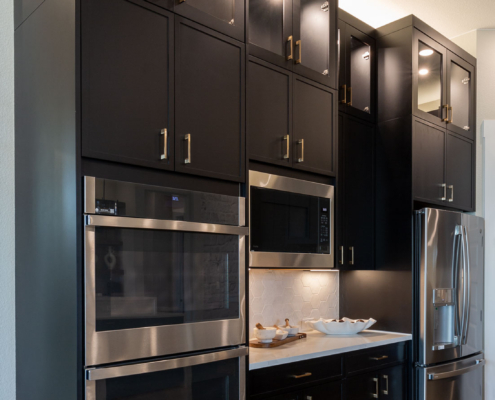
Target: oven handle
pixel 96 374
pixel 158 224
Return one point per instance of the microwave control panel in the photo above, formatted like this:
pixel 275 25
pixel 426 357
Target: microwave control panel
pixel 324 229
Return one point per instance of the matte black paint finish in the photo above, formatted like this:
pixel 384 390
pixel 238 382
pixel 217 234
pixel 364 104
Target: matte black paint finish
pixel 357 193
pixel 210 102
pixel 47 277
pixel 269 112
pixel 127 83
pixel 459 172
pixel 315 119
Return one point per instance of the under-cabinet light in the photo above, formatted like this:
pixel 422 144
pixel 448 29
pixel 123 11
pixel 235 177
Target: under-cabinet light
pixel 423 71
pixel 426 53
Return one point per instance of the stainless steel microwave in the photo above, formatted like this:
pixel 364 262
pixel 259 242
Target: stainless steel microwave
pixel 291 223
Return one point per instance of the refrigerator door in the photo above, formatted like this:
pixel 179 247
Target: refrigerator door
pixel 440 280
pixel 461 380
pixel 472 339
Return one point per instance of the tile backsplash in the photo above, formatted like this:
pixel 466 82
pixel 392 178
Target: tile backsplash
pixel 275 295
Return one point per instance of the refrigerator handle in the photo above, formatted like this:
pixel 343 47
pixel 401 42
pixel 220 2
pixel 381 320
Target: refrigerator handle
pixel 456 260
pixel 467 283
pixel 457 372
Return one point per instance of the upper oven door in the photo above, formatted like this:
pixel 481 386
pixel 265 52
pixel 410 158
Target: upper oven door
pixel 291 223
pixel 159 287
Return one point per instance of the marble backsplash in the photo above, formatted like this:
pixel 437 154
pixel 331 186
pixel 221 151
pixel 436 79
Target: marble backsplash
pixel 275 295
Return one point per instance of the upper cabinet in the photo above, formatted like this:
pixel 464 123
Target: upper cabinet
pixel 299 35
pixel 224 16
pixel 357 72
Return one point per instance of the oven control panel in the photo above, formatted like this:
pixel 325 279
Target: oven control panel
pixel 324 226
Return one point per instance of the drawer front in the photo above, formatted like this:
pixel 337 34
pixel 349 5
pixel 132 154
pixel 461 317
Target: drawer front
pixel 279 377
pixel 376 357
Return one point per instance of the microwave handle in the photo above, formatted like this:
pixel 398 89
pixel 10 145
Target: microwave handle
pixel 96 374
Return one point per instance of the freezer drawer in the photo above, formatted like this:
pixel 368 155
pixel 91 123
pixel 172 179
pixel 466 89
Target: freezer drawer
pixel 460 380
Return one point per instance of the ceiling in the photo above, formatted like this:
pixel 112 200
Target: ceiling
pixel 450 17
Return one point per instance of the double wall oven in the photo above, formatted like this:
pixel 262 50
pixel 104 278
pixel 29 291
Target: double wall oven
pixel 164 292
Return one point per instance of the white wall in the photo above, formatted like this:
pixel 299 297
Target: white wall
pixel 7 314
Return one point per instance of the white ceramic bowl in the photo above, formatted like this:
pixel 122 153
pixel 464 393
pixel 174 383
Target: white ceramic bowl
pixel 281 334
pixel 293 330
pixel 265 335
pixel 345 327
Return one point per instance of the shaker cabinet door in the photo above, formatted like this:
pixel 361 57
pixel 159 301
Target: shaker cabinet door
pixel 269 112
pixel 460 173
pixel 209 101
pixel 314 127
pixel 429 162
pixel 360 387
pixel 392 383
pixel 127 84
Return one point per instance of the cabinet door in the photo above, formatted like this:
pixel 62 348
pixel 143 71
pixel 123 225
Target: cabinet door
pixel 428 162
pixel 224 16
pixel 314 127
pixel 392 384
pixel 460 173
pixel 358 198
pixel 127 84
pixel 270 31
pixel 460 96
pixel 429 79
pixel 269 112
pixel 210 92
pixel 361 74
pixel 315 41
pixel 329 391
pixel 341 73
pixel 360 387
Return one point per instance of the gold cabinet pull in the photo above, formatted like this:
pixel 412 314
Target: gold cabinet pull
pixel 286 138
pixel 299 44
pixel 344 89
pixel 375 395
pixel 350 96
pixel 341 255
pixel 164 155
pixel 187 138
pixel 302 376
pixel 351 262
pixel 444 186
pixel 291 41
pixel 378 358
pixel 451 115
pixel 451 198
pixel 301 142
pixel 446 119
pixel 385 391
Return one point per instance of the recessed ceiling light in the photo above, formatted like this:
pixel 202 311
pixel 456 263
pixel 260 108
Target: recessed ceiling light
pixel 423 71
pixel 425 53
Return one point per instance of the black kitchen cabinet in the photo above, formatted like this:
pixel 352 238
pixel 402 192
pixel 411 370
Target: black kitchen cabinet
pixel 224 16
pixel 290 119
pixel 357 69
pixel 460 171
pixel 387 384
pixel 356 183
pixel 209 102
pixel 363 386
pixel 299 35
pixel 314 127
pixel 328 391
pixel 128 83
pixel 269 112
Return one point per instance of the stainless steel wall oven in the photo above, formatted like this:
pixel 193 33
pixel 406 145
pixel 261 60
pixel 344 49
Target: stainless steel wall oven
pixel 164 271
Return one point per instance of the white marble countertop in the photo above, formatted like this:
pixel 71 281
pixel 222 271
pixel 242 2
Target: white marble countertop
pixel 319 345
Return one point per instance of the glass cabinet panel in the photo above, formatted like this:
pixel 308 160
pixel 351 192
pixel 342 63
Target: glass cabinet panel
pixel 266 25
pixel 360 79
pixel 430 80
pixel 221 9
pixel 460 89
pixel 313 48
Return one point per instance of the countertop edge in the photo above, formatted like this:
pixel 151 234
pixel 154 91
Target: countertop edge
pixel 404 337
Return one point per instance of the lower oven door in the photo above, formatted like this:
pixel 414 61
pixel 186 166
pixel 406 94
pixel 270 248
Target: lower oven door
pixel 219 376
pixel 156 288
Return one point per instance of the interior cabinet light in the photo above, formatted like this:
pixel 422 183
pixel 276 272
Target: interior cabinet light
pixel 366 55
pixel 423 71
pixel 425 53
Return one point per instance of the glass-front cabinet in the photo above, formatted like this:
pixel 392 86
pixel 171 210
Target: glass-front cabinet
pixel 299 35
pixel 443 87
pixel 357 72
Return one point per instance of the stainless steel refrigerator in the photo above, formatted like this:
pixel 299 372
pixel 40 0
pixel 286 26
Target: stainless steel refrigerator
pixel 449 305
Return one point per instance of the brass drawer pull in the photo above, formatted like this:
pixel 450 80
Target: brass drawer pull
pixel 350 96
pixel 451 199
pixel 299 60
pixel 187 138
pixel 385 391
pixel 344 88
pixel 451 115
pixel 444 186
pixel 301 376
pixel 446 119
pixel 351 262
pixel 291 41
pixel 164 155
pixel 378 358
pixel 286 138
pixel 375 395
pixel 341 255
pixel 301 142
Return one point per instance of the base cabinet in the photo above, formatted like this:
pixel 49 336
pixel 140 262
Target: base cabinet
pixel 387 384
